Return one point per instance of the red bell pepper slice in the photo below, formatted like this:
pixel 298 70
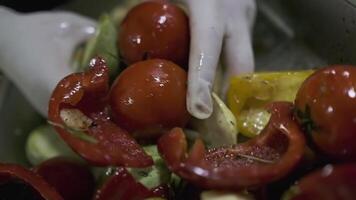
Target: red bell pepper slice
pixel 10 171
pixel 88 92
pixel 266 158
pixel 123 186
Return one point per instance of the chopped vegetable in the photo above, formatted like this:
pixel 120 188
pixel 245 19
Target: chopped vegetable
pixel 100 122
pixel 248 94
pixel 266 158
pixel 10 172
pixel 75 119
pixel 43 143
pixel 87 92
pixel 225 195
pixel 73 180
pixel 103 44
pixel 220 128
pixel 123 186
pixel 153 176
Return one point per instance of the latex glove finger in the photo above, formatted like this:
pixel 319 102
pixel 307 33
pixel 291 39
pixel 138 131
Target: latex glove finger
pixel 36 50
pixel 205 47
pixel 238 52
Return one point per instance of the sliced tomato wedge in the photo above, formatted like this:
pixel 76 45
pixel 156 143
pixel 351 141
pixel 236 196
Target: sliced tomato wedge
pixel 9 172
pixel 101 142
pixel 266 158
pixel 123 186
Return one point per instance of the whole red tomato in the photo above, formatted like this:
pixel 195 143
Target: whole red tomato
pixel 108 144
pixel 155 29
pixel 326 107
pixel 329 183
pixel 149 96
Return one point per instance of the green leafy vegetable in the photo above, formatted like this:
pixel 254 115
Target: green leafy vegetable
pixel 103 44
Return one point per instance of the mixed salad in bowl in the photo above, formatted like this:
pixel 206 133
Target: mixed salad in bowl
pixel 118 128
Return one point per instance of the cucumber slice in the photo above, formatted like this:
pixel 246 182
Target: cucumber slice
pixel 44 143
pixel 155 175
pixel 150 177
pixel 220 128
pixel 222 195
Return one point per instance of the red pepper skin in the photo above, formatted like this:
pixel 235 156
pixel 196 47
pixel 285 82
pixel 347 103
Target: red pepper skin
pixel 329 183
pixel 88 92
pixel 73 180
pixel 266 158
pixel 123 186
pixel 9 171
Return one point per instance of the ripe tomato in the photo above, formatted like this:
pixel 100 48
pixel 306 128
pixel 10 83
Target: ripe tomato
pixel 155 29
pixel 329 183
pixel 101 141
pixel 71 179
pixel 326 107
pixel 149 96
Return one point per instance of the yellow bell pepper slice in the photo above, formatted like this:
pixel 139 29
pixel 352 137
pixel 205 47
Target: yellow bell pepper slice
pixel 248 94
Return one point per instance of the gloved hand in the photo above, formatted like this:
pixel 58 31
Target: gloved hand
pixel 217 25
pixel 36 50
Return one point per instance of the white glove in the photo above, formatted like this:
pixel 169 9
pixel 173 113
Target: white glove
pixel 214 23
pixel 36 50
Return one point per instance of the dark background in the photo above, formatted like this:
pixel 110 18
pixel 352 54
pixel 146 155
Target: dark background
pixel 32 5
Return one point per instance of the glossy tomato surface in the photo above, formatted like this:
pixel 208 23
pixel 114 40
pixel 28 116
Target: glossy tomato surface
pixel 155 29
pixel 149 97
pixel 326 107
pixel 329 183
pixel 71 179
pixel 102 142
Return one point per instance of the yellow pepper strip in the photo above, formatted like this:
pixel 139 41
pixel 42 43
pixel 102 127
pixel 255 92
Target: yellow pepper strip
pixel 248 94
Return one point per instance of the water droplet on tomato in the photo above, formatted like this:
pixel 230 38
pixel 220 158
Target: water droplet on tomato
pixel 327 170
